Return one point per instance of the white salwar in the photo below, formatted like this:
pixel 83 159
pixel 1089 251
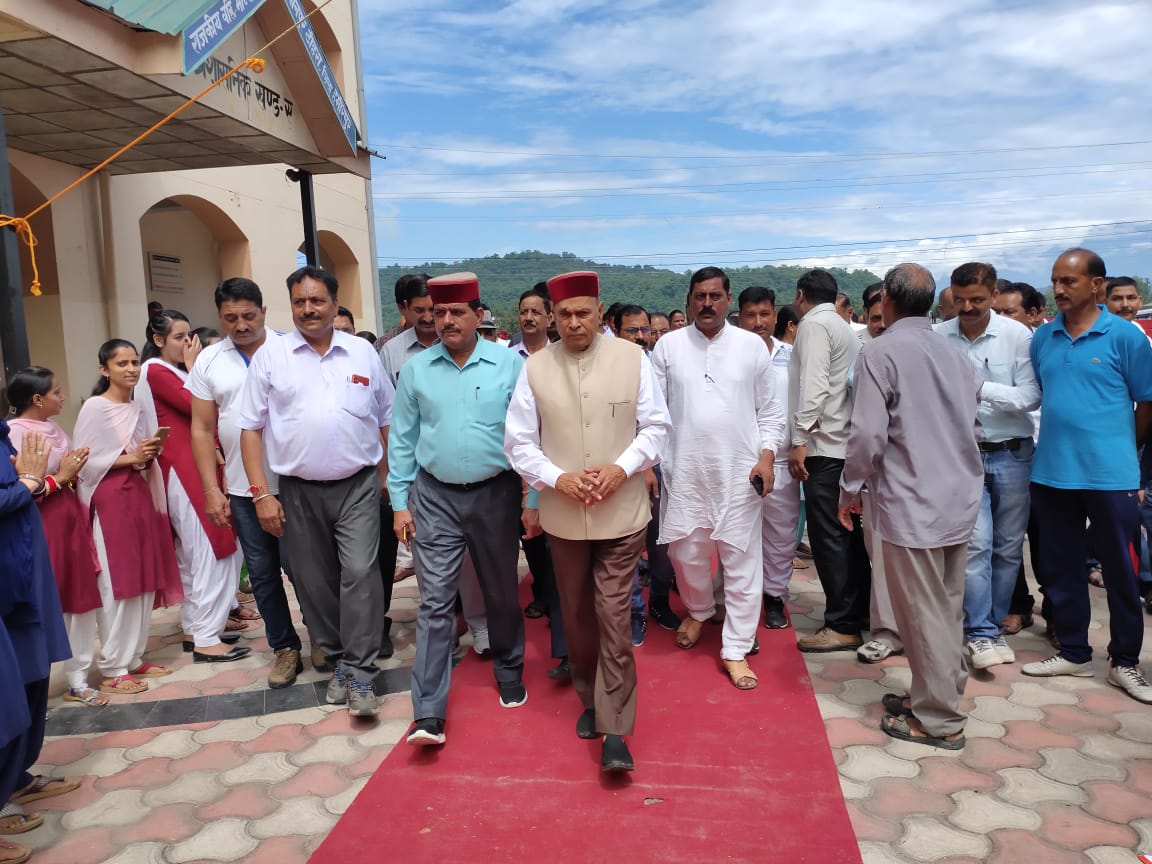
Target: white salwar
pixel 726 409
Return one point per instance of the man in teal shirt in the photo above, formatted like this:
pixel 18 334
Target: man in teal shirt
pixel 452 491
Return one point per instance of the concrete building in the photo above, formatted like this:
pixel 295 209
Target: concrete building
pixel 216 192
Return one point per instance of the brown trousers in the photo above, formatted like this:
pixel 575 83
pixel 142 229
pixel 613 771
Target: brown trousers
pixel 594 581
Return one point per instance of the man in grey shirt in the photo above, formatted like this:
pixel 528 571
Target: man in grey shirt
pixel 821 409
pixel 916 396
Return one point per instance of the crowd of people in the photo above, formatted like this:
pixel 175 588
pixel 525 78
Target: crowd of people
pixel 624 449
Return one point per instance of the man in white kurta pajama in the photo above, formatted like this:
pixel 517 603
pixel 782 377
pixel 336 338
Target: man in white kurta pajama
pixel 727 421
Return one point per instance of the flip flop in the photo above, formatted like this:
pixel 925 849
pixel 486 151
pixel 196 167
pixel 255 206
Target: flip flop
pixel 20 853
pixel 741 674
pixel 900 729
pixel 243 613
pixel 14 819
pixel 895 705
pixel 45 787
pixel 150 670
pixel 688 633
pixel 87 696
pixel 125 685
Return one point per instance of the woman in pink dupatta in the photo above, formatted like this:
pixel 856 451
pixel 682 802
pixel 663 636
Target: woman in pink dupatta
pixel 36 397
pixel 122 486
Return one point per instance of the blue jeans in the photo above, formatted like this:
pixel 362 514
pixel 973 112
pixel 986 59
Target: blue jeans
pixel 265 557
pixel 997 544
pixel 637 593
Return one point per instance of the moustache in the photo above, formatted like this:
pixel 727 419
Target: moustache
pixel 707 310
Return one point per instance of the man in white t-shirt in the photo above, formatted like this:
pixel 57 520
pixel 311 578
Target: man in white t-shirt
pixel 216 383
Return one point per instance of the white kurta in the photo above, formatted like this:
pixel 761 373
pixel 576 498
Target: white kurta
pixel 726 409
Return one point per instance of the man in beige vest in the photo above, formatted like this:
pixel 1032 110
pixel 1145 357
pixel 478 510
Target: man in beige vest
pixel 586 418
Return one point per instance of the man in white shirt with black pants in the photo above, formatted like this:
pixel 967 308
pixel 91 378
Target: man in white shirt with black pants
pixel 318 403
pixel 999 350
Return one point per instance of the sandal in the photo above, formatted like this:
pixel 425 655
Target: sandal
pixel 45 787
pixel 243 613
pixel 245 597
pixel 1095 578
pixel 236 625
pixel 150 670
pixel 895 704
pixel 688 633
pixel 1015 622
pixel 901 729
pixel 125 685
pixel 17 854
pixel 797 564
pixel 741 674
pixel 86 695
pixel 14 819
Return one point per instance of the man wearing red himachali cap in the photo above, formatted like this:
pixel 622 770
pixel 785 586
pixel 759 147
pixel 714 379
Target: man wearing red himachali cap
pixel 586 419
pixel 453 491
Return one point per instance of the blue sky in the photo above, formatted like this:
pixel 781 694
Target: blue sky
pixel 823 132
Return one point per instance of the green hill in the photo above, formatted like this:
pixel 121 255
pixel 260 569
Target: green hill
pixel 503 278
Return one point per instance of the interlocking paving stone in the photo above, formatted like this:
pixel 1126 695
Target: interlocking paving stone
pixel 139 853
pixel 193 787
pixel 881 853
pixel 1116 802
pixel 981 813
pixel 222 840
pixel 241 730
pixel 338 804
pixel 305 815
pixel 1136 726
pixel 1110 748
pixel 1072 828
pixel 173 745
pixel 832 708
pixel 868 763
pixel 102 763
pixel 994 709
pixel 1035 695
pixel 263 767
pixel 1109 855
pixel 927 839
pixel 1028 788
pixel 1071 766
pixel 330 748
pixel 120 807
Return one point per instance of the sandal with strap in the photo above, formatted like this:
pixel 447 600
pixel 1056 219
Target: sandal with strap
pixel 895 704
pixel 741 674
pixel 901 729
pixel 16 854
pixel 150 670
pixel 14 819
pixel 87 696
pixel 125 685
pixel 688 633
pixel 243 613
pixel 45 787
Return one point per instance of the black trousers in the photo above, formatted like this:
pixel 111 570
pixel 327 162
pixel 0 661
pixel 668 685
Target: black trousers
pixel 840 557
pixel 660 571
pixel 388 548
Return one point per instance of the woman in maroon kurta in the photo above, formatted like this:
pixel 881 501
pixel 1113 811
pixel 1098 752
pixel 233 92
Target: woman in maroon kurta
pixel 36 397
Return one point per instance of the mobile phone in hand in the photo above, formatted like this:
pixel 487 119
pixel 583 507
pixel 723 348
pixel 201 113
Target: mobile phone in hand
pixel 162 433
pixel 758 484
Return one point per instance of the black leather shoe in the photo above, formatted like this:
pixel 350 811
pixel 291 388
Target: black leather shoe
pixel 586 725
pixel 755 647
pixel 236 652
pixel 663 615
pixel 614 756
pixel 535 610
pixel 774 617
pixel 227 639
pixel 561 671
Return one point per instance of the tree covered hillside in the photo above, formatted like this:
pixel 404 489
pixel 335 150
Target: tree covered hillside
pixel 503 278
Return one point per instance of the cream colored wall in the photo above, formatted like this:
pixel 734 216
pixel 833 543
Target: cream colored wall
pixel 181 234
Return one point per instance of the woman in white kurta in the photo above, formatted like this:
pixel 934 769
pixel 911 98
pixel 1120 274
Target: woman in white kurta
pixel 727 421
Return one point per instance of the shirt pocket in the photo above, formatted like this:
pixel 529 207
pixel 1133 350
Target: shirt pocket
pixel 491 410
pixel 356 399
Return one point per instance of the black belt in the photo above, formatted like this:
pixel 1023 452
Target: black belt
pixel 468 487
pixel 329 482
pixel 1012 444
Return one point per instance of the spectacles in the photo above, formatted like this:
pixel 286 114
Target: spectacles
pixel 635 331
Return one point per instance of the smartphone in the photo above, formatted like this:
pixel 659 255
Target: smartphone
pixel 758 484
pixel 162 433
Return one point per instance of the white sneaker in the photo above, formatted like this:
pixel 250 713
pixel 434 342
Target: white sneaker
pixel 1057 665
pixel 1004 650
pixel 984 653
pixel 1132 681
pixel 874 651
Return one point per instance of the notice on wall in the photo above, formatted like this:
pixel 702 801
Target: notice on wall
pixel 166 273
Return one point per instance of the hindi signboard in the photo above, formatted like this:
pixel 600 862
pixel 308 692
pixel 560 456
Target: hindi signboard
pixel 209 30
pixel 323 71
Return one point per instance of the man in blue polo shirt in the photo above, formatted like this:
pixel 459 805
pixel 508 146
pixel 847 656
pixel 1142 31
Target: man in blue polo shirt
pixel 1092 367
pixel 452 491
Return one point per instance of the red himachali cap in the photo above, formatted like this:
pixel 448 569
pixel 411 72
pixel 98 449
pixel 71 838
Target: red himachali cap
pixel 582 283
pixel 454 288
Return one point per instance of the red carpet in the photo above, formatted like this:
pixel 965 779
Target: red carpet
pixel 722 775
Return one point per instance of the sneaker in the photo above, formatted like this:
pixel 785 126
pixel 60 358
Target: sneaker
pixel 984 653
pixel 1132 681
pixel 362 701
pixel 512 694
pixel 285 668
pixel 561 671
pixel 337 688
pixel 1057 665
pixel 663 615
pixel 1004 650
pixel 639 628
pixel 825 640
pixel 320 661
pixel 873 651
pixel 428 732
pixel 774 617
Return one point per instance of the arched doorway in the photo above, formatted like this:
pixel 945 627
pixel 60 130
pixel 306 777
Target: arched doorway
pixel 337 257
pixel 189 246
